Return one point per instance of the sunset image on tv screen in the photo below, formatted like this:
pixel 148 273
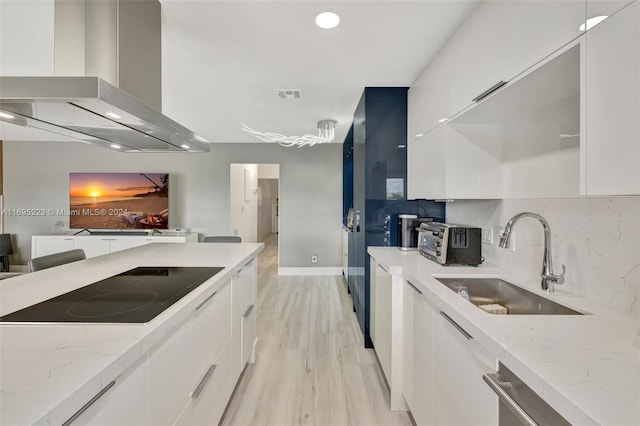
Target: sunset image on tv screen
pixel 118 201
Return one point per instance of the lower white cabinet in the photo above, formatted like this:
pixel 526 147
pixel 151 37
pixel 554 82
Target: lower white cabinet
pixel 418 354
pixel 97 245
pixel 380 324
pixel 179 365
pixel 460 396
pixel 208 406
pixel 243 317
pixel 442 367
pixel 124 403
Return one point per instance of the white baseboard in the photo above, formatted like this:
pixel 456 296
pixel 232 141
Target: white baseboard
pixel 331 270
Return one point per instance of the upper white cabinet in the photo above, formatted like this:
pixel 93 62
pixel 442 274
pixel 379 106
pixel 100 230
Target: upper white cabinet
pixel 501 39
pixel 604 7
pixel 611 147
pixel 567 122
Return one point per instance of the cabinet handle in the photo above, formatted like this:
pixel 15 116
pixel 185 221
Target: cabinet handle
pixel 382 267
pixel 489 91
pixel 88 404
pixel 414 287
pixel 455 324
pixel 249 309
pixel 511 403
pixel 196 392
pixel 206 300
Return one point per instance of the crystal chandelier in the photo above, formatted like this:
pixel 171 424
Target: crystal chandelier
pixel 326 133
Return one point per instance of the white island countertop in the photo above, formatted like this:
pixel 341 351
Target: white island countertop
pixel 587 367
pixel 47 370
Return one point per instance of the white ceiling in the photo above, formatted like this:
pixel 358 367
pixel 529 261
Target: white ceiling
pixel 224 60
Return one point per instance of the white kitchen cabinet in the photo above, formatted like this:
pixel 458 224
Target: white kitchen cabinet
pixel 460 395
pixel 243 317
pixel 455 163
pixel 125 403
pixel 418 354
pixel 44 245
pixel 93 247
pixel 386 328
pixel 207 408
pixel 604 7
pixel 97 245
pixel 502 39
pixel 380 322
pixel 426 165
pixel 611 147
pixel 177 366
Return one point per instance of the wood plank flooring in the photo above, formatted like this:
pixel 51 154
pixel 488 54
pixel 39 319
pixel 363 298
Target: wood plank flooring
pixel 312 368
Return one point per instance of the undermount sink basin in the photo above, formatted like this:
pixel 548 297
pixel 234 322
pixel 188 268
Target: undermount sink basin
pixel 488 291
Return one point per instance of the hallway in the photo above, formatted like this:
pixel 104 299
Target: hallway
pixel 312 368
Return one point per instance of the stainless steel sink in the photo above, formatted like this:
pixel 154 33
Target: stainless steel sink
pixel 487 291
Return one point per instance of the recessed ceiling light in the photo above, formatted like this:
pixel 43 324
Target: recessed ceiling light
pixel 5 115
pixel 402 146
pixel 419 135
pixel 113 115
pixel 185 146
pixel 327 20
pixel 592 22
pixel 115 146
pixel 442 120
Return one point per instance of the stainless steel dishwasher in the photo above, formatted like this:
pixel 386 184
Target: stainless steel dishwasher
pixel 519 405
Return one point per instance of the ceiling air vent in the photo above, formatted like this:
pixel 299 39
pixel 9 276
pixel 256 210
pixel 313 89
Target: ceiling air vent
pixel 289 94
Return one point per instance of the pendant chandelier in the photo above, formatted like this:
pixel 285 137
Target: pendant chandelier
pixel 326 133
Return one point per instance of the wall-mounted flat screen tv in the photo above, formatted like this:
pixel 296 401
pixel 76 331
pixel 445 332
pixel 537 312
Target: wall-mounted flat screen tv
pixel 118 201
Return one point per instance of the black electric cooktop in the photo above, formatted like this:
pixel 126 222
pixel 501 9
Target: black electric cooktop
pixel 134 296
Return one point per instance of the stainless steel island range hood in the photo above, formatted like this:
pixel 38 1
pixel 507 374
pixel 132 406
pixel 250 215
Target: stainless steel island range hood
pixel 93 111
pixel 119 41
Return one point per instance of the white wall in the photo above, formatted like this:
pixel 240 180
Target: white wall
pixel 243 199
pixel 36 175
pixel 598 239
pixel 268 171
pixel 26 37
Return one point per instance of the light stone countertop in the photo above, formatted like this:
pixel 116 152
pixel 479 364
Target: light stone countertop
pixel 49 370
pixel 587 367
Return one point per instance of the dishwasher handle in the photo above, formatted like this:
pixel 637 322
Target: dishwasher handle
pixel 497 387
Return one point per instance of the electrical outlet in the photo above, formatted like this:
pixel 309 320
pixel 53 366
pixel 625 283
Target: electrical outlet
pixel 314 259
pixel 512 240
pixel 487 236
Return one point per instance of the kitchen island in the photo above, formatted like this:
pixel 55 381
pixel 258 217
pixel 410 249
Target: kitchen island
pixel 50 371
pixel 586 367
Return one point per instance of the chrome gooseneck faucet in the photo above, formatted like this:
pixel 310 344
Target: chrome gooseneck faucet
pixel 548 278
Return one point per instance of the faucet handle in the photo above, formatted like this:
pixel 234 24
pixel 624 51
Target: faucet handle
pixel 557 279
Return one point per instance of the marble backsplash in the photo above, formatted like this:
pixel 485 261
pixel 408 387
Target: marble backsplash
pixel 598 239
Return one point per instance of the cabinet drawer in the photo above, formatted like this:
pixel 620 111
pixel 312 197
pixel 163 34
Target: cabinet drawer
pixel 243 288
pixel 176 366
pixel 207 408
pixel 125 403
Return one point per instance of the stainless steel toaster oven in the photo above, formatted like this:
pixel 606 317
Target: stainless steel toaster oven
pixel 450 244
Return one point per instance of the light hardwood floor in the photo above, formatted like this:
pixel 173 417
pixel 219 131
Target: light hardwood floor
pixel 312 368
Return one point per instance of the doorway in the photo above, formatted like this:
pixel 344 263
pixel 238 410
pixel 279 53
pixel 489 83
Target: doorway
pixel 254 196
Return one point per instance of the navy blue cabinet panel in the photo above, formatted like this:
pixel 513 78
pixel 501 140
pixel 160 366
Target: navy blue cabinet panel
pixel 379 186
